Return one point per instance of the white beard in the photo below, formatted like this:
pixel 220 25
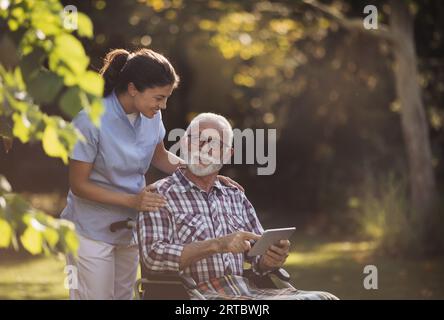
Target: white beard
pixel 203 170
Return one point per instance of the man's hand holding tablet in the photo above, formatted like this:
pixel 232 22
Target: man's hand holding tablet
pixel 270 237
pixel 274 247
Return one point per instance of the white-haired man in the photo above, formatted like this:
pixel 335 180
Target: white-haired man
pixel 206 228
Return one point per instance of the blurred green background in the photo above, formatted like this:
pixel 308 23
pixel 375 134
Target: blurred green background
pixel 359 116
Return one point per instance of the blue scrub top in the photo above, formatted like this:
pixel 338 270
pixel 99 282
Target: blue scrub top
pixel 121 154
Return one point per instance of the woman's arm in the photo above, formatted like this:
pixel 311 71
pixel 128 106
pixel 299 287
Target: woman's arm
pixel 82 187
pixel 161 159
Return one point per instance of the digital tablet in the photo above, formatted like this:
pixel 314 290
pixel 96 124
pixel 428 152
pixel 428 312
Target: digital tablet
pixel 268 238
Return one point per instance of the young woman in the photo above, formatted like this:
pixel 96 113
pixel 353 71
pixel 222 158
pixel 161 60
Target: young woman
pixel 107 171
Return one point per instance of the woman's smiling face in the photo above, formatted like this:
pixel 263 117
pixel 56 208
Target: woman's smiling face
pixel 151 100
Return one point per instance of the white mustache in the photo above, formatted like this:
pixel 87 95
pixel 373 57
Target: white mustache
pixel 196 158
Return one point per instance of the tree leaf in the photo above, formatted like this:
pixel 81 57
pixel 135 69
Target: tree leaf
pixel 17 207
pixel 44 86
pixel 95 112
pixel 32 241
pixel 85 26
pixel 5 233
pixel 92 83
pixel 45 21
pixel 51 236
pixel 52 145
pixel 21 127
pixel 71 101
pixel 5 126
pixel 71 241
pixel 68 52
pixel 32 63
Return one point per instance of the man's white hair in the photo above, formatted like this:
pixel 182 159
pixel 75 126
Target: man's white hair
pixel 221 121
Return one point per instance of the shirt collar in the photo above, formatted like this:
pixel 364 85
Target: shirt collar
pixel 183 184
pixel 118 109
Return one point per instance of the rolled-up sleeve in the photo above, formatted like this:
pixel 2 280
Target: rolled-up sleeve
pixel 156 233
pixel 85 151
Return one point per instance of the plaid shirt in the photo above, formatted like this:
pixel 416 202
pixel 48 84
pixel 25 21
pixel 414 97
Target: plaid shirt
pixel 194 215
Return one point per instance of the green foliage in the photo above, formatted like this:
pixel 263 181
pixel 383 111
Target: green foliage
pixel 37 232
pixel 42 62
pixel 36 35
pixel 259 39
pixel 382 214
pixel 264 40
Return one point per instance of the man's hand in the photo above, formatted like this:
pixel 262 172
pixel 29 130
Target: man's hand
pixel 275 256
pixel 237 242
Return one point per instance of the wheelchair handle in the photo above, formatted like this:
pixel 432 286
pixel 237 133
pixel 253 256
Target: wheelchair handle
pixel 124 224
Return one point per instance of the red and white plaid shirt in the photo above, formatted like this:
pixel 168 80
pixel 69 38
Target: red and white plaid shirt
pixel 194 215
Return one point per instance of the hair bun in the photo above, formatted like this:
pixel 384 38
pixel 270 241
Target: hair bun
pixel 112 66
pixel 144 68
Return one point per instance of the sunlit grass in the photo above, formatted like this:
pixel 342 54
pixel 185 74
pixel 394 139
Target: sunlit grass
pixel 336 267
pixel 32 278
pixel 330 252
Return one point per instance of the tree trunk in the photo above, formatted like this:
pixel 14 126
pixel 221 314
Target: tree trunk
pixel 413 117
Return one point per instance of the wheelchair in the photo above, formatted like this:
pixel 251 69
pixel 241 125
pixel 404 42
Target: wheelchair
pixel 167 285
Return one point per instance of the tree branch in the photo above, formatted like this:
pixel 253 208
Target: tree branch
pixel 383 31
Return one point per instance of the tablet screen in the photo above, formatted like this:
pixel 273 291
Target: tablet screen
pixel 268 238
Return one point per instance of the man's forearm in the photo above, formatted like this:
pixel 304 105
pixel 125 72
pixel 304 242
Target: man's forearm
pixel 196 251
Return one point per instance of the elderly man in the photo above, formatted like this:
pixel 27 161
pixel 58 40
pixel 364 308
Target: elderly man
pixel 206 228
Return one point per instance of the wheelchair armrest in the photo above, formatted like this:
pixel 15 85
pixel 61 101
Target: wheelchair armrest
pixel 170 277
pixel 265 280
pixel 282 274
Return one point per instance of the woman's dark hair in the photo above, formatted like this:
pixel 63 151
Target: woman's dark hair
pixel 144 67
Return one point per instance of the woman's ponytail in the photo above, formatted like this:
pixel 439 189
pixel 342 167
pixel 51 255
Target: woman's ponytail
pixel 112 66
pixel 145 68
